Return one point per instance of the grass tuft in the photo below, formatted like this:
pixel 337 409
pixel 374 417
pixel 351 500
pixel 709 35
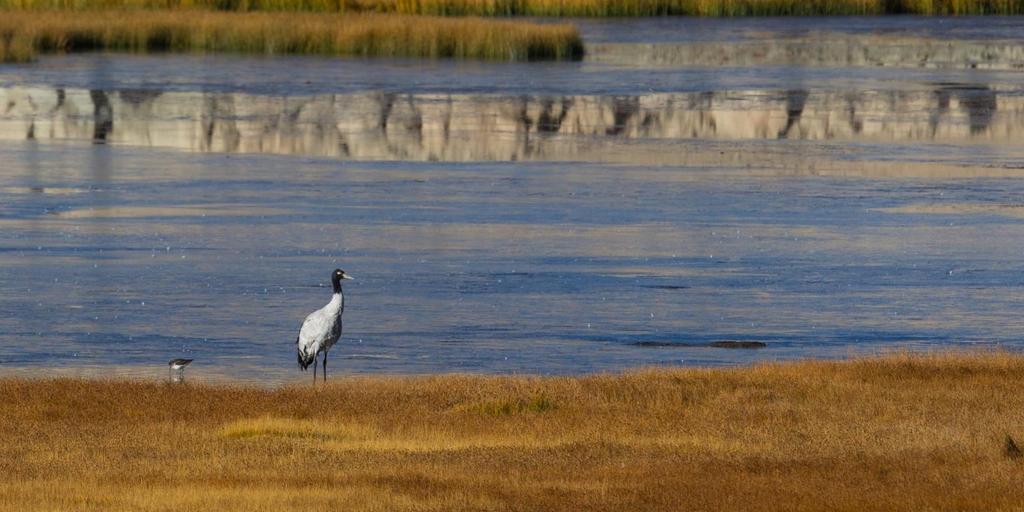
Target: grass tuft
pixel 272 427
pixel 537 403
pixel 24 33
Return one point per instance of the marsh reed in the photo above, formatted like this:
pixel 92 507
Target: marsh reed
pixel 558 7
pixel 903 432
pixel 25 33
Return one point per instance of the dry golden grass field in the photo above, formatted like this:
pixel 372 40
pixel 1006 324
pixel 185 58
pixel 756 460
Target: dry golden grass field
pixel 894 433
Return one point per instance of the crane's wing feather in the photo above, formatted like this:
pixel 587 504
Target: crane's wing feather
pixel 318 332
pixel 315 329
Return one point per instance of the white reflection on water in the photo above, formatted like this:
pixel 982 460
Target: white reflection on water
pixel 460 127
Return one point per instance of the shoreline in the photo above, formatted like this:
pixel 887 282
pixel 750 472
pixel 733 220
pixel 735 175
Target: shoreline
pixel 877 433
pixel 209 374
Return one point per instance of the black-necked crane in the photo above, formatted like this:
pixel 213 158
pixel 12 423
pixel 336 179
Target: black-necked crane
pixel 322 328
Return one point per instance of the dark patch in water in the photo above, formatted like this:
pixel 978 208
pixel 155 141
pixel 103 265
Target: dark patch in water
pixel 103 117
pixel 514 274
pixel 139 96
pixel 668 287
pixel 738 344
pixel 714 344
pixel 796 100
pixel 662 344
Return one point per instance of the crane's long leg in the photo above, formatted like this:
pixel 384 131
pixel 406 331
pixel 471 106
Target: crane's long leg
pixel 314 368
pixel 325 366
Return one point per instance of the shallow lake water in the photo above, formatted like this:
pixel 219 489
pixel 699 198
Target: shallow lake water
pixel 828 187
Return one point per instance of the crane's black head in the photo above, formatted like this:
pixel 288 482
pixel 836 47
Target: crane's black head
pixel 336 278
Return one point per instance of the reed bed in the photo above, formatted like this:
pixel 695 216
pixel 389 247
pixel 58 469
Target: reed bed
pixel 25 33
pixel 940 432
pixel 559 7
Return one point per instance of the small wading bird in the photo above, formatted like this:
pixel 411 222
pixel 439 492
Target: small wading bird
pixel 178 365
pixel 322 328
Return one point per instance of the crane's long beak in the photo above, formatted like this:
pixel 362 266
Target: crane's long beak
pixel 346 276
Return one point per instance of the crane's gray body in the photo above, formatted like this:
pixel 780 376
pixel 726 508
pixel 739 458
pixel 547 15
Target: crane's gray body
pixel 320 331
